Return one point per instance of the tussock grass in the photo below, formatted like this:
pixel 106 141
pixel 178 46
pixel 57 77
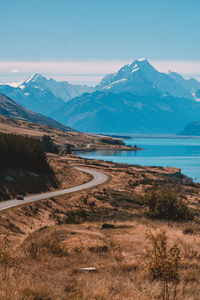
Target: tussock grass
pixel 47 264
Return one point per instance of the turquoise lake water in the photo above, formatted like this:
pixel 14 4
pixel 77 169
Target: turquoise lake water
pixel 180 153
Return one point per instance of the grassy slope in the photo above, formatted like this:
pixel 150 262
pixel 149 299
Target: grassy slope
pixel 80 141
pixel 66 235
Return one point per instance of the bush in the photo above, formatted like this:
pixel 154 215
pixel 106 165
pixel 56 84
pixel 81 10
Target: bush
pixel 164 204
pixel 188 230
pixel 163 263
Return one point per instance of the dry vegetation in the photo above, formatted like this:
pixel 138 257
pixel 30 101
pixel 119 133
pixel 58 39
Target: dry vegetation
pixel 78 141
pixel 45 244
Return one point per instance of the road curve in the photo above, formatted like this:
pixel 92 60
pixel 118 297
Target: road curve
pixel 99 178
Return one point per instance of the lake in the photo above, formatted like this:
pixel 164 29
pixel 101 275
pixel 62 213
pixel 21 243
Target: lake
pixel 165 152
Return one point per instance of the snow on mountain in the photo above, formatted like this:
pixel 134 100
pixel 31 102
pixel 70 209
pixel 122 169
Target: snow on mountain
pixel 42 95
pixel 61 89
pixel 190 84
pixel 141 77
pixel 136 99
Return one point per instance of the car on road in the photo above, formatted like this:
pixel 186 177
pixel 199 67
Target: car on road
pixel 20 197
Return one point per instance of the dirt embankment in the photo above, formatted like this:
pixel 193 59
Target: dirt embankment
pixel 61 175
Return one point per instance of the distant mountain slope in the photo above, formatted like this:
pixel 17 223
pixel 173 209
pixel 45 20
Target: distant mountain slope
pixel 127 113
pixel 40 94
pixel 192 128
pixel 13 110
pixel 136 99
pixel 41 101
pixel 190 84
pixel 60 89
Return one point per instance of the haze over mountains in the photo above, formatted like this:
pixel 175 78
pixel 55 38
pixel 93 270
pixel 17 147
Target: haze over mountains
pixel 136 99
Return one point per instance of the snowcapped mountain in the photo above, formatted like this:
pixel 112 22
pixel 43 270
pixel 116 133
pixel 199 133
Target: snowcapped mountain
pixel 190 84
pixel 61 89
pixel 141 78
pixel 42 95
pixel 136 99
pixel 41 101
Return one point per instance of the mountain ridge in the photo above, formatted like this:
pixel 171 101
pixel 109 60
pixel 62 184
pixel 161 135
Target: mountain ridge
pixel 136 99
pixel 40 94
pixel 11 109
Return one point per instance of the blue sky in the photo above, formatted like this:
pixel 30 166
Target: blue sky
pixel 97 32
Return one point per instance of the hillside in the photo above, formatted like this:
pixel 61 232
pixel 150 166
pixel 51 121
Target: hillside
pixel 13 110
pixel 78 141
pixel 104 228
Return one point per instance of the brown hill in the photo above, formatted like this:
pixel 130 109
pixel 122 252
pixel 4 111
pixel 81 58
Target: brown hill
pixel 78 141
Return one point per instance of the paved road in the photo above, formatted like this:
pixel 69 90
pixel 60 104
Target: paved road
pixel 98 179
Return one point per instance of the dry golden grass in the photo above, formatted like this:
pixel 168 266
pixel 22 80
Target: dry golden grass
pixel 52 239
pixel 79 141
pixel 53 270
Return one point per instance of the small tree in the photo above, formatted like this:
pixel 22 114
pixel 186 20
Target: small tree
pixel 163 263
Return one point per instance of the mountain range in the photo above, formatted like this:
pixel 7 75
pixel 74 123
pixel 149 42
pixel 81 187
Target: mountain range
pixel 42 95
pixel 136 99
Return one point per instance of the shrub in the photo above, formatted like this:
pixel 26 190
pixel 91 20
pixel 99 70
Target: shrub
pixel 163 263
pixel 164 204
pixel 188 230
pixel 33 250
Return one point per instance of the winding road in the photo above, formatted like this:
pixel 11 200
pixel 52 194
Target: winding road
pixel 98 178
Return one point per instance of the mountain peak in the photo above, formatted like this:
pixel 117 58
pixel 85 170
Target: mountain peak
pixel 141 61
pixel 141 65
pixel 33 78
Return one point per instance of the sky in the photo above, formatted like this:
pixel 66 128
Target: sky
pixel 82 40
